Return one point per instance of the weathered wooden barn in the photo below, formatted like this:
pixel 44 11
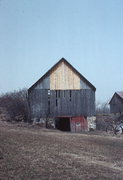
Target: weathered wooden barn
pixel 116 103
pixel 64 98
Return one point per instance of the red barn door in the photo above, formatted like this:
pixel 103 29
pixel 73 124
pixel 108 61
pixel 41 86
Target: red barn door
pixel 78 124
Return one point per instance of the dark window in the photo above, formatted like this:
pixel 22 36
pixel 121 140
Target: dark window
pixel 48 92
pixel 59 93
pixel 49 99
pixel 56 93
pixel 70 95
pixel 56 98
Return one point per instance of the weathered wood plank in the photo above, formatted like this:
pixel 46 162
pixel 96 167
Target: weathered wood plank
pixel 81 103
pixel 116 105
pixel 63 78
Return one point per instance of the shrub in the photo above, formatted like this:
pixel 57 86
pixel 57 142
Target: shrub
pixel 15 104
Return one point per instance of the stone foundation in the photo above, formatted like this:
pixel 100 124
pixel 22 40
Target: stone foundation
pixel 91 123
pixel 44 122
pixel 50 122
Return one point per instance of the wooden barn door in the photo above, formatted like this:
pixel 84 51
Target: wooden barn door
pixel 78 124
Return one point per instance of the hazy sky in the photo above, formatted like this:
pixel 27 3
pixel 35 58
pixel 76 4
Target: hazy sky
pixel 35 34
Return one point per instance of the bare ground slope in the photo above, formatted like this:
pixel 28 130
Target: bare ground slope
pixel 28 153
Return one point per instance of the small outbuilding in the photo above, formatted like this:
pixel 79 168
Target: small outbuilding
pixel 116 103
pixel 63 98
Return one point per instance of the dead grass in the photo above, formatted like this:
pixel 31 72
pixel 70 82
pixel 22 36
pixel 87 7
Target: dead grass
pixel 32 153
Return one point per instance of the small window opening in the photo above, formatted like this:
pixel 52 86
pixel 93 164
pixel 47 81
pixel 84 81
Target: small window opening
pixel 56 93
pixel 59 93
pixel 49 101
pixel 48 92
pixel 70 95
pixel 56 102
pixel 57 96
pixel 48 97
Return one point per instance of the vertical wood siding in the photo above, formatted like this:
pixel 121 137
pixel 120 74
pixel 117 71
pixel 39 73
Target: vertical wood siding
pixel 38 102
pixel 63 77
pixel 116 105
pixel 83 85
pixel 44 84
pixel 62 103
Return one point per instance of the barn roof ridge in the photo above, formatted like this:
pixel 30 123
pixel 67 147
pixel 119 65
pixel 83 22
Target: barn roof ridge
pixel 65 61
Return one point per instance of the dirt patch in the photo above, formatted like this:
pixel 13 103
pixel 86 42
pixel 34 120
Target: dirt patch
pixel 33 153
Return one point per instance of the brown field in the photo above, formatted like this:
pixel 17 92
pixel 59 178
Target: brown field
pixel 32 153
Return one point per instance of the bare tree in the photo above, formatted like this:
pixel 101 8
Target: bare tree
pixel 102 108
pixel 16 104
pixel 102 114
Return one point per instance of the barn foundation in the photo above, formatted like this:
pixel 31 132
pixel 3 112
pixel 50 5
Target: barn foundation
pixel 68 123
pixel 75 124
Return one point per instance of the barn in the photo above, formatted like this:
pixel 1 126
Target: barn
pixel 116 103
pixel 63 98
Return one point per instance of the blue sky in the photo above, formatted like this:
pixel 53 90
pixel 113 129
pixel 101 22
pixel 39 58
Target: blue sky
pixel 35 34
